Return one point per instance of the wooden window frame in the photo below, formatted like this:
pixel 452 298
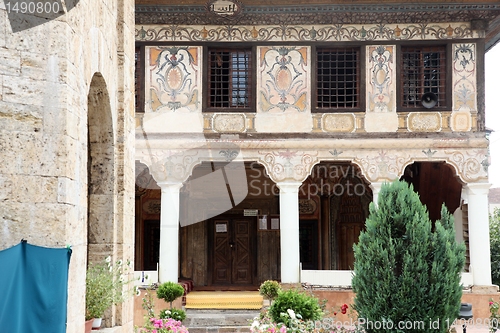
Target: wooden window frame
pixel 250 107
pixel 444 97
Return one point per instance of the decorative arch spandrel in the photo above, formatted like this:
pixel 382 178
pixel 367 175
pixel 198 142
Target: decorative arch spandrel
pixel 288 165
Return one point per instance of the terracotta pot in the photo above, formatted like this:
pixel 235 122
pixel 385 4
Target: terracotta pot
pixel 88 325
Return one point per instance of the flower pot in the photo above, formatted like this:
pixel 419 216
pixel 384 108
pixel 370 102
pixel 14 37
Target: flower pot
pixel 88 325
pixel 96 325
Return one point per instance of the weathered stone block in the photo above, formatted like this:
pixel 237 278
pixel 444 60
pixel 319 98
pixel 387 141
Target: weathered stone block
pixel 10 62
pixel 34 189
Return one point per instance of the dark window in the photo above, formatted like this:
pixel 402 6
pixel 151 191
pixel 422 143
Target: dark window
pixel 423 71
pixel 338 78
pixel 230 78
pixel 139 102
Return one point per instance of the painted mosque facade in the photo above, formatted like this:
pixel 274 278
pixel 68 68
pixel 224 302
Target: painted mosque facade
pixel 263 135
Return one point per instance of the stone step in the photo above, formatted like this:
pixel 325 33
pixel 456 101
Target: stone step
pixel 219 321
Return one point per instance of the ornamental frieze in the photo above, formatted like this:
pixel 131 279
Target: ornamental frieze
pixel 292 164
pixel 295 33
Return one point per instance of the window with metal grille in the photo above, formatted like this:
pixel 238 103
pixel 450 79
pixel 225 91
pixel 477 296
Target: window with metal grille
pixel 230 78
pixel 422 71
pixel 337 78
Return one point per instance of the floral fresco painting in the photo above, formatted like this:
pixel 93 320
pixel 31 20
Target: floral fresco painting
pixel 284 78
pixel 173 78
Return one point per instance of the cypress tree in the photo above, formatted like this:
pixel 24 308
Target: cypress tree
pixel 406 271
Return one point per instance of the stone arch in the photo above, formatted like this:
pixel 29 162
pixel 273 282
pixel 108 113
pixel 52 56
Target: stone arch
pixel 101 175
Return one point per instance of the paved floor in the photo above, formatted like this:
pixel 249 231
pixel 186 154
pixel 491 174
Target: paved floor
pixel 473 329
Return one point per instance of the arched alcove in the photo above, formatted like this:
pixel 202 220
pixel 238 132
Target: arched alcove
pixel 101 225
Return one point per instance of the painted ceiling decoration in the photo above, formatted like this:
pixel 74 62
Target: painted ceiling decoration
pixel 319 14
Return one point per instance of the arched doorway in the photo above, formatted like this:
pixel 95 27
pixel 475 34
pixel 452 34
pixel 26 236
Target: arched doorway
pixel 436 183
pixel 333 203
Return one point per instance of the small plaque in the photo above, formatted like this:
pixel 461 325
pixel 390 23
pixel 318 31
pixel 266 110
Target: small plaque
pixel 263 223
pixel 275 223
pixel 225 8
pixel 250 212
pixel 221 227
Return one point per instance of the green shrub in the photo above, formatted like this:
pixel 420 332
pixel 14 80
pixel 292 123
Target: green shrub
pixel 495 246
pixel 176 314
pixel 169 291
pixel 270 289
pixel 298 301
pixel 406 269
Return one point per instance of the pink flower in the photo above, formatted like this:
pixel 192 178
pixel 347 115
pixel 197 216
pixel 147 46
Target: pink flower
pixel 491 303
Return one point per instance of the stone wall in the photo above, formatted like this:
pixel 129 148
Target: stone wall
pixel 52 76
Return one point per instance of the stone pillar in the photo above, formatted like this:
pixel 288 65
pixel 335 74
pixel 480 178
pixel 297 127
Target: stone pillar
pixel 169 232
pixel 479 233
pixel 289 231
pixel 376 186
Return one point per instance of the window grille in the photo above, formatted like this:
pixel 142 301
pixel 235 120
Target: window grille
pixel 230 78
pixel 338 78
pixel 422 71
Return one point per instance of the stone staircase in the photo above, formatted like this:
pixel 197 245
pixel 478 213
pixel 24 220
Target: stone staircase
pixel 219 321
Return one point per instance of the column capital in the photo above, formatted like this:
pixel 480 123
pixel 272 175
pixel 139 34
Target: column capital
pixel 288 165
pixel 376 186
pixel 289 186
pixel 478 188
pixel 170 184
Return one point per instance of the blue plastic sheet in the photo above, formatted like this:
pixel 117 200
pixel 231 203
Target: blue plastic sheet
pixel 33 289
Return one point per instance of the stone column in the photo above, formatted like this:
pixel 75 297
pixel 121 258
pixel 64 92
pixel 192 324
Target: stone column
pixel 376 186
pixel 169 232
pixel 479 233
pixel 289 231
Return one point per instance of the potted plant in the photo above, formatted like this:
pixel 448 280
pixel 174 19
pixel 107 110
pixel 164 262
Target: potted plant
pixel 270 289
pixel 170 291
pixel 105 284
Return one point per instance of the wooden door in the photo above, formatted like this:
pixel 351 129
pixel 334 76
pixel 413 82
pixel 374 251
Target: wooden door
pixel 349 225
pixel 232 251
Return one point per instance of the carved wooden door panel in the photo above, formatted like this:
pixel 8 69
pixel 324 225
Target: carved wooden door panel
pixel 349 225
pixel 232 259
pixel 349 235
pixel 242 268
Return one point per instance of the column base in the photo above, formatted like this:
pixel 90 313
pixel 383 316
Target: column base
pixel 484 289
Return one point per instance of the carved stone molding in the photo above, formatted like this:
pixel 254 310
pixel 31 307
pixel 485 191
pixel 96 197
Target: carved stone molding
pixel 288 165
pixel 229 123
pixel 339 122
pixel 461 121
pixel 424 121
pixel 169 165
pixel 377 162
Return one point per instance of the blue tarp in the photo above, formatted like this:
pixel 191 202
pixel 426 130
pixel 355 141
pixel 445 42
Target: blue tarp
pixel 33 289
